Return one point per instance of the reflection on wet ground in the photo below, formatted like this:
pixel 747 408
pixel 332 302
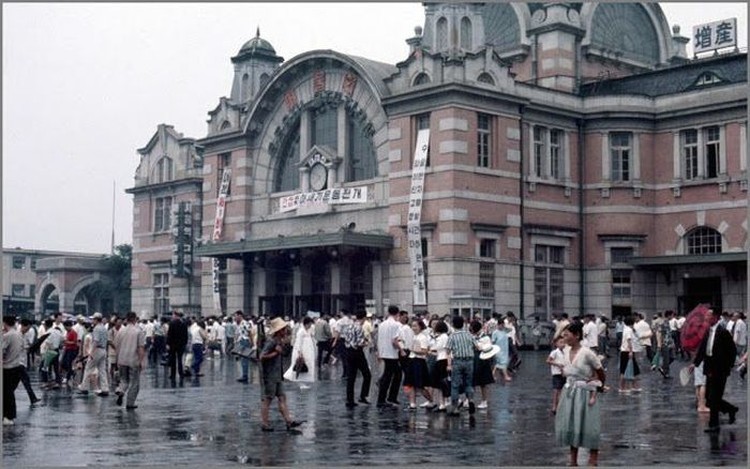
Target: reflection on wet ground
pixel 214 420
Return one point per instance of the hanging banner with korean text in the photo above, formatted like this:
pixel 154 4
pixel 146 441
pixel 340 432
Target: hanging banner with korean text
pixel 335 196
pixel 715 35
pixel 413 228
pixel 216 236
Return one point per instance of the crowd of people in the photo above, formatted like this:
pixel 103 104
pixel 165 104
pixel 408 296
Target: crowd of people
pixel 444 362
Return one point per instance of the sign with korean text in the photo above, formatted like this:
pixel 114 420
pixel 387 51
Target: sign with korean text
pixel 182 249
pixel 413 224
pixel 221 201
pixel 335 196
pixel 716 35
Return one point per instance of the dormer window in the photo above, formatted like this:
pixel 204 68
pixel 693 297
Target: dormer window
pixel 164 170
pixel 707 78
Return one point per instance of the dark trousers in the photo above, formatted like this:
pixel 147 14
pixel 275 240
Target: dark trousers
pixel 175 361
pixel 715 398
pixel 11 378
pixel 649 352
pixel 27 384
pixel 197 358
pixel 389 381
pixel 68 358
pixel 324 346
pixel 156 354
pixel 356 361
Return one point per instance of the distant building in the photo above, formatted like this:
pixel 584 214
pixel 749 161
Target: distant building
pixel 578 161
pixel 37 282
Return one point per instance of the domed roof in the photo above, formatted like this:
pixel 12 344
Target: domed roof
pixel 257 47
pixel 258 44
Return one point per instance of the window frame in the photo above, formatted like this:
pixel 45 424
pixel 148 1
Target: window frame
pixel 621 155
pixel 19 265
pixel 162 214
pixel 689 154
pixel 711 146
pixel 484 140
pixel 160 283
pixel 703 234
pixel 549 274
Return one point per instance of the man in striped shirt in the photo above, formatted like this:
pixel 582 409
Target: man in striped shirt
pixel 354 342
pixel 461 365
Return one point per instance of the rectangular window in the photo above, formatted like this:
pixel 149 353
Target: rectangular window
pixel 487 279
pixel 425 247
pixel 555 154
pixel 621 283
pixel 689 139
pixel 161 293
pixel 324 127
pixel 487 248
pixel 32 291
pixel 540 150
pixel 163 214
pixel 620 255
pixel 18 289
pixel 549 279
pixel 33 263
pixel 712 151
pixel 19 262
pixel 423 122
pixel 223 161
pixel 619 144
pixel 483 140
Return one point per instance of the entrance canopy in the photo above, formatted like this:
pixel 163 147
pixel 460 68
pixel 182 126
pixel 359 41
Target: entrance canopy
pixel 657 262
pixel 342 238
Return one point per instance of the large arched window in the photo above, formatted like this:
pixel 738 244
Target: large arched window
pixel 287 173
pixel 320 128
pixel 164 170
pixel 703 240
pixel 466 33
pixel 361 152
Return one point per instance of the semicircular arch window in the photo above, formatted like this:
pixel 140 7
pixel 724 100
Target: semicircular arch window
pixel 501 27
pixel 287 173
pixel 421 79
pixel 485 77
pixel 703 240
pixel 626 29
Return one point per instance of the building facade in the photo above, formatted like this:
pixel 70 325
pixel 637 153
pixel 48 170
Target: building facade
pixel 578 161
pixel 40 282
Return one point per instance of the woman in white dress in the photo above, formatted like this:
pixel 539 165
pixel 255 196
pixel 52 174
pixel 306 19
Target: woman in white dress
pixel 578 421
pixel 304 345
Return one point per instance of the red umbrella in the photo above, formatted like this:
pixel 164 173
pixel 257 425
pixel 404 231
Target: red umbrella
pixel 695 328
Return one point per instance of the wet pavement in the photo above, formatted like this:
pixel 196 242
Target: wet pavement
pixel 214 421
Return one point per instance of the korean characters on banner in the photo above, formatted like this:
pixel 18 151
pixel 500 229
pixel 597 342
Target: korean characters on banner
pixel 216 236
pixel 413 228
pixel 335 196
pixel 182 231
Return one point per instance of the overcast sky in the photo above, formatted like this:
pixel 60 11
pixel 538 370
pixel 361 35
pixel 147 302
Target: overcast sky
pixel 85 85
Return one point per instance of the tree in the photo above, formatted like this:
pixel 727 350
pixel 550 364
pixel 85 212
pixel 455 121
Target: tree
pixel 119 269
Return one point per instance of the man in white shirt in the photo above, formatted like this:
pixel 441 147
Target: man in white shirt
pixel 644 333
pixel 590 333
pixel 388 351
pixel 739 334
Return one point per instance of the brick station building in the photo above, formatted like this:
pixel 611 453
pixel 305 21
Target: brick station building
pixel 578 161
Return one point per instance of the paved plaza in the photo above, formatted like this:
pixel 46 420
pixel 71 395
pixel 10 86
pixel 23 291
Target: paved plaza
pixel 216 422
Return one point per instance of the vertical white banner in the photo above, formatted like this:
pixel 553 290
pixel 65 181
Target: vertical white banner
pixel 413 229
pixel 216 236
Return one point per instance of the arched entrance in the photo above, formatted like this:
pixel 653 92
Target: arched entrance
pixel 49 299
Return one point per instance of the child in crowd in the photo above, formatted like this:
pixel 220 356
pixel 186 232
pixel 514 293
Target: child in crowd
pixel 556 364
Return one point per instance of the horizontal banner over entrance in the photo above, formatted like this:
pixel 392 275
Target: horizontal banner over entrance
pixel 336 196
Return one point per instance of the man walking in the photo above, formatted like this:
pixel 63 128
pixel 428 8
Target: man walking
pixel 12 367
pixel 322 334
pixel 717 352
pixel 355 341
pixel 96 365
pixel 461 365
pixel 177 338
pixel 388 350
pixel 130 343
pixel 739 334
pixel 271 376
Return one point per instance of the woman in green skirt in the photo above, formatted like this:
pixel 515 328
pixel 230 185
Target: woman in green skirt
pixel 577 423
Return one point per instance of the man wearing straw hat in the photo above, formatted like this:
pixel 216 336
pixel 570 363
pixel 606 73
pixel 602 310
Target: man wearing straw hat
pixel 272 370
